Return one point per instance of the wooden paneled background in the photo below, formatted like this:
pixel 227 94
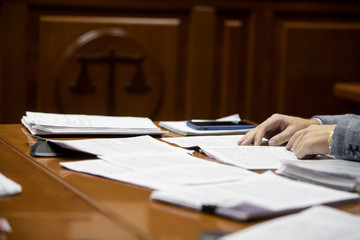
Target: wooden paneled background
pixel 176 60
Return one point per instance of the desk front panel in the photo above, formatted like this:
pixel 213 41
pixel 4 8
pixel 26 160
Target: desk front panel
pixel 49 208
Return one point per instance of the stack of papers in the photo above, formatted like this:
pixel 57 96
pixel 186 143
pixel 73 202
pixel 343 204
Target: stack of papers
pixel 181 179
pixel 335 173
pixel 76 124
pixel 316 223
pixel 263 195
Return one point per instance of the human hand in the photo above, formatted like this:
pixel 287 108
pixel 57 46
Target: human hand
pixel 311 141
pixel 278 129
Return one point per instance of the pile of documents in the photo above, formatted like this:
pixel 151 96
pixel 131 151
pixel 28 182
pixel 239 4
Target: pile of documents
pixel 254 197
pixel 76 124
pixel 177 177
pixel 322 169
pixel 335 173
pixel 228 191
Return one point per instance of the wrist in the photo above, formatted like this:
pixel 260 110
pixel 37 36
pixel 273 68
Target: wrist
pixel 315 121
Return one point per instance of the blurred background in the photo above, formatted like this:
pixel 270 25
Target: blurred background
pixel 177 60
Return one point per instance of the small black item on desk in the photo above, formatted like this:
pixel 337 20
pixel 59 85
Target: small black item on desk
pixel 43 148
pixel 211 235
pixel 219 125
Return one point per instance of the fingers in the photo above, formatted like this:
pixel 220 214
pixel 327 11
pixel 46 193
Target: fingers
pixel 279 127
pixel 256 135
pixel 251 137
pixel 305 137
pixel 293 139
pixel 303 150
pixel 282 137
pixel 245 140
pixel 296 144
pixel 299 144
pixel 310 141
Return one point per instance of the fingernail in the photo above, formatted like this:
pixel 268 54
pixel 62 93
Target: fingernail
pixel 243 142
pixel 272 142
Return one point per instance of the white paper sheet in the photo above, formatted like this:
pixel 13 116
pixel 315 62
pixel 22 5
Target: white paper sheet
pixel 5 226
pixel 107 170
pixel 206 141
pixel 159 171
pixel 114 146
pixel 258 196
pixel 140 161
pixel 8 187
pixel 250 157
pixel 316 223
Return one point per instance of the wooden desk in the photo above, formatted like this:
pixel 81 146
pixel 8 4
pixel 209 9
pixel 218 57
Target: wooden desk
pixel 49 207
pixel 64 200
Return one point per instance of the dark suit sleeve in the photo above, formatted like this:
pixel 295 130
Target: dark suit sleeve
pixel 346 138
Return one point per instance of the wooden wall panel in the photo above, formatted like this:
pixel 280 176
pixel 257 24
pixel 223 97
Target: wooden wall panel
pixel 12 54
pixel 314 55
pixel 200 72
pixel 254 58
pixel 231 84
pixel 155 38
pixel 234 64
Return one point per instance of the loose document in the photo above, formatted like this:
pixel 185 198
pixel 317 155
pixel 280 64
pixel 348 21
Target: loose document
pixel 256 197
pixel 225 149
pixel 316 223
pixel 116 146
pixel 205 141
pixel 148 162
pixel 251 157
pixel 71 124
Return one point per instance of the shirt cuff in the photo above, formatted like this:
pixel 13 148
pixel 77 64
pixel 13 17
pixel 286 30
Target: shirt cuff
pixel 319 120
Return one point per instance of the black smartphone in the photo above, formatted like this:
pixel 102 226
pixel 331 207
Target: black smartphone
pixel 219 125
